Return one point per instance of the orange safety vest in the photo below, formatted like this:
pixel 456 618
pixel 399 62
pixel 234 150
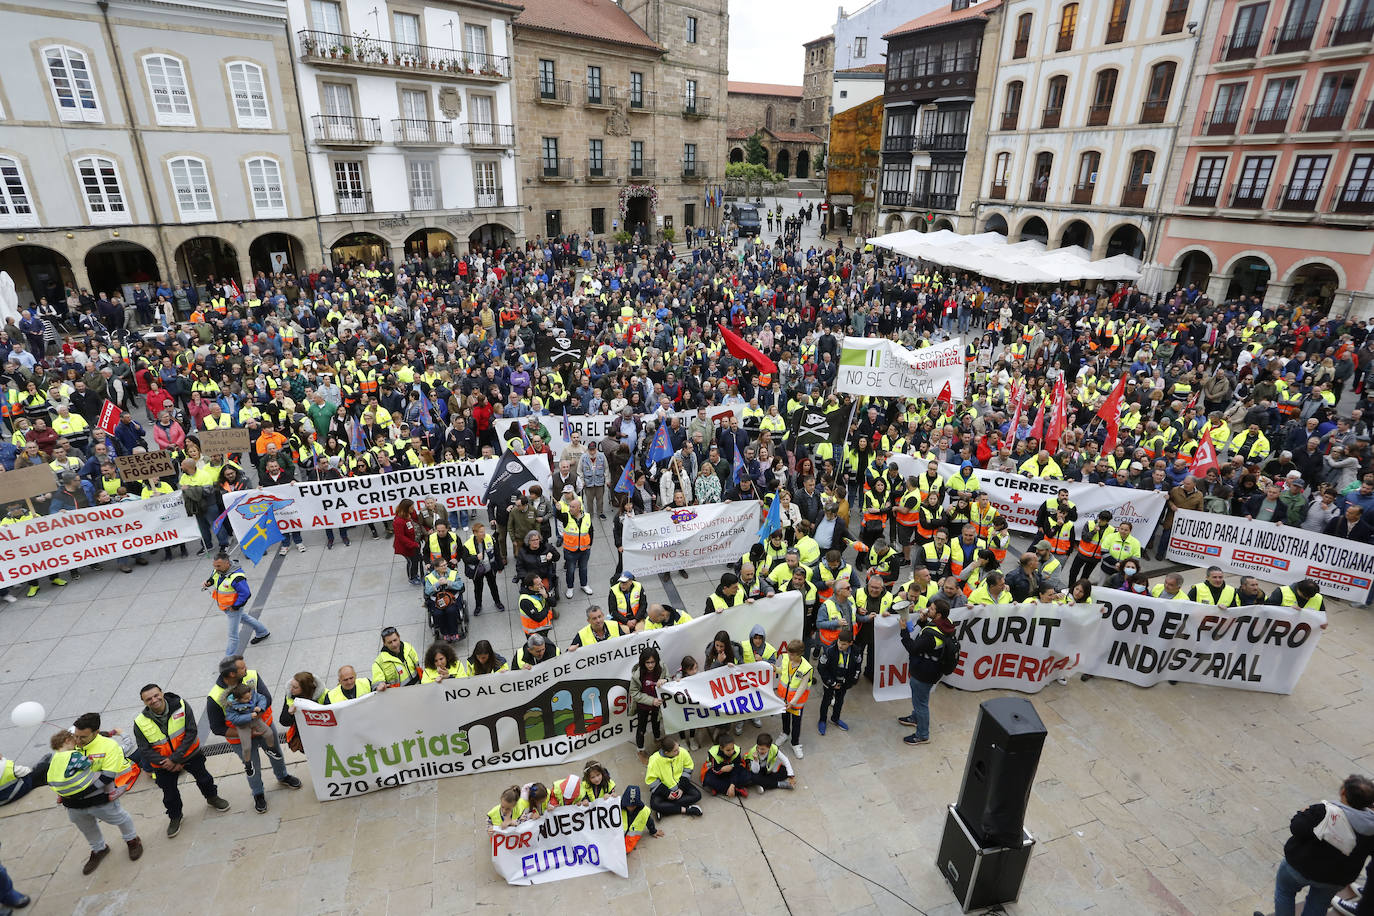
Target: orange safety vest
pixel 577 537
pixel 981 521
pixel 1092 549
pixel 170 740
pixel 1062 543
pixel 907 516
pixel 794 684
pixel 956 553
pixel 874 511
pixel 927 522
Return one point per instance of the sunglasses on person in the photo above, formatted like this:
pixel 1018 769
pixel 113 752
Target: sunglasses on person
pixel 389 631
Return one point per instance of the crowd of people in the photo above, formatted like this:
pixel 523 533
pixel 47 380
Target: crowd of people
pixel 363 369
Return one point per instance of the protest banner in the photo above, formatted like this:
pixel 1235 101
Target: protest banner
pixel 878 366
pixel 1276 553
pixel 145 466
pixel 689 536
pixel 219 442
pixel 591 428
pixel 25 483
pixel 1139 639
pixel 50 544
pixel 721 695
pixel 566 842
pixel 315 505
pixel 1019 498
pixel 573 707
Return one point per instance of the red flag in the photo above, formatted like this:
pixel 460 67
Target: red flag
pixel 235 286
pixel 1016 406
pixel 947 398
pixel 1037 430
pixel 1110 412
pixel 1205 458
pixel 742 349
pixel 1059 415
pixel 109 418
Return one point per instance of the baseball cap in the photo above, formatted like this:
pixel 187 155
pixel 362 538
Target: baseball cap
pixel 1041 545
pixel 626 577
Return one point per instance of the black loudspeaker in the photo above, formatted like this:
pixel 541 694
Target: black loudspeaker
pixel 1002 760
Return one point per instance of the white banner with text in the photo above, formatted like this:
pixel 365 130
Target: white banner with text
pixel 885 368
pixel 690 536
pixel 565 842
pixel 729 694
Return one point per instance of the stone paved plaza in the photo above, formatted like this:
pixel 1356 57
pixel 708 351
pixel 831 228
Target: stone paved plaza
pixel 1172 800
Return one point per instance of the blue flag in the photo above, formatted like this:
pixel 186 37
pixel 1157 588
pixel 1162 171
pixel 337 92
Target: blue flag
pixel 426 410
pixel 355 437
pixel 626 484
pixel 773 520
pixel 214 529
pixel 662 447
pixel 261 536
pixel 566 430
pixel 738 467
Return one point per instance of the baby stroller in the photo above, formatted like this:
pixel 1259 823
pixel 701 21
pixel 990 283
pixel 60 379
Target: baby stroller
pixel 447 610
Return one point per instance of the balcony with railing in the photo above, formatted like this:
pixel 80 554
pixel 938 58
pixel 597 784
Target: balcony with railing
pixel 1242 45
pixel 1300 196
pixel 1203 193
pixel 1353 28
pixel 1324 116
pixel 1099 115
pixel 410 132
pixel 1049 118
pixel 1020 48
pixel 899 143
pixel 941 200
pixel 555 169
pixel 331 49
pixel 351 202
pixel 1010 118
pixel 346 130
pixel 1293 38
pixel 424 201
pixel 1269 120
pixel 601 97
pixel 645 102
pixel 552 92
pixel 1083 193
pixel 1116 31
pixel 896 198
pixel 942 142
pixel 1355 197
pixel 1248 197
pixel 1154 111
pixel 1065 41
pixel 1039 191
pixel 1133 194
pixel 489 197
pixel 998 191
pixel 490 136
pixel 695 170
pixel 696 106
pixel 642 169
pixel 1221 123
pixel 603 169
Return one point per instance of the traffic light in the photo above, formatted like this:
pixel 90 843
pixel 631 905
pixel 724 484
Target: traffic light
pixel 930 217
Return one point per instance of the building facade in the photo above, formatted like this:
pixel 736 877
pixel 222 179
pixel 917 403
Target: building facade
pixel 1088 101
pixel 409 122
pixel 859 35
pixel 619 133
pixel 853 87
pixel 936 109
pixel 1271 190
pixel 149 141
pixel 818 76
pixel 853 166
pixel 773 112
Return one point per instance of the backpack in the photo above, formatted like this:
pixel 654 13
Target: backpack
pixel 948 653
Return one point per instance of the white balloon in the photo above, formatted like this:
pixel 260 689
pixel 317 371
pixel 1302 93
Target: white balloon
pixel 27 715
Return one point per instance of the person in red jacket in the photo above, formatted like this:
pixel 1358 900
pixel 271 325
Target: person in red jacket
pixel 405 542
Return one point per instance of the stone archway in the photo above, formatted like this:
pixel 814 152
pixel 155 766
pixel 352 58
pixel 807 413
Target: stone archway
pixel 1250 276
pixel 1077 233
pixel 996 223
pixel 1034 229
pixel 367 247
pixel 1314 281
pixel 489 235
pixel 737 154
pixel 893 223
pixel 38 273
pixel 1195 269
pixel 206 256
pixel 113 266
pixel 1126 239
pixel 276 253
pixel 783 163
pixel 803 164
pixel 429 243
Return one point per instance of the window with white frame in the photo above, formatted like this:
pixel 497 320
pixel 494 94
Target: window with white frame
pixel 326 16
pixel 249 91
pixel 73 89
pixel 101 189
pixel 16 206
pixel 487 182
pixel 265 186
pixel 191 188
pixel 167 85
pixel 422 194
pixel 405 31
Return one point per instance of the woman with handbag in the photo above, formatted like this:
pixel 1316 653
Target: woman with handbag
pixel 483 562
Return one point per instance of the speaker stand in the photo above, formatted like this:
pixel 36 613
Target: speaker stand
pixel 981 876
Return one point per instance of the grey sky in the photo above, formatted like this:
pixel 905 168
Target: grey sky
pixel 766 36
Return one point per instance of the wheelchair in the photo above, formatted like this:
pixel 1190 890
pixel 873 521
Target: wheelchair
pixel 448 604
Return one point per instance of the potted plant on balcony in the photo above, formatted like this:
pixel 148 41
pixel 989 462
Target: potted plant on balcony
pixel 333 51
pixel 308 46
pixel 490 70
pixel 345 51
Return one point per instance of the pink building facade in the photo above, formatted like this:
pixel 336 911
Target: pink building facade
pixel 1271 189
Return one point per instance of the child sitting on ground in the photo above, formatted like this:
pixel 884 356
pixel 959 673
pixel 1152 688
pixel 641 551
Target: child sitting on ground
pixel 244 712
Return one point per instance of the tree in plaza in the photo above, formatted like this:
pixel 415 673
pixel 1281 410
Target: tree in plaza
pixel 754 152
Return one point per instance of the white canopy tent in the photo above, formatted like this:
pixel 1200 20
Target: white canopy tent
pixel 990 255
